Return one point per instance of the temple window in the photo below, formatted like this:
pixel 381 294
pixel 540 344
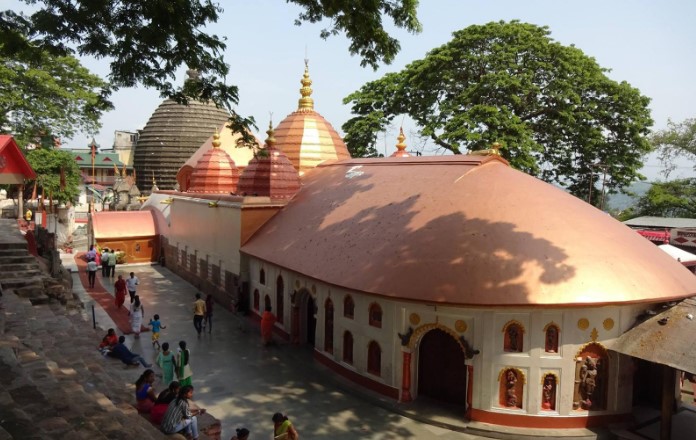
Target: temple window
pixel 348 347
pixel 375 315
pixel 328 325
pixel 262 277
pixel 511 388
pixel 280 296
pixel 256 299
pixel 548 392
pixel 513 334
pixel 551 339
pixel 266 302
pixel 374 359
pixel 348 307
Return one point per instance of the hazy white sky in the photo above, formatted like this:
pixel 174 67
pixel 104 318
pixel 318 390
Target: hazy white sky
pixel 647 43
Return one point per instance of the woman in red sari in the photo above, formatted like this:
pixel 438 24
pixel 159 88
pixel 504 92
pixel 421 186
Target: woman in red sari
pixel 268 319
pixel 120 289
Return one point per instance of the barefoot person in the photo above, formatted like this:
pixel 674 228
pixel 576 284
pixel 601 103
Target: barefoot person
pixel 180 417
pixel 119 292
pixel 136 316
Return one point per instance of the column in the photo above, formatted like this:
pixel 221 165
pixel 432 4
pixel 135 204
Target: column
pixel 406 377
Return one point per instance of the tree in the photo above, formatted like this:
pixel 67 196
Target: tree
pixel 551 106
pixel 677 140
pixel 46 96
pixel 50 165
pixel 147 41
pixel 676 198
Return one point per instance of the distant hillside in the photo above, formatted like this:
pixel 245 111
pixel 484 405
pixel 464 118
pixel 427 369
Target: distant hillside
pixel 619 202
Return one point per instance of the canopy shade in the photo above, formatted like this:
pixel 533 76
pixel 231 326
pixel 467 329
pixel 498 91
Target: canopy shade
pixel 14 167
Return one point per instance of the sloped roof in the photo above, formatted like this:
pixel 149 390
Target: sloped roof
pixel 661 222
pixel 678 254
pixel 123 224
pixel 14 167
pixel 465 230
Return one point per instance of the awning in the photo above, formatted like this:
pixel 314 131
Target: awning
pixel 666 338
pixel 685 258
pixel 660 236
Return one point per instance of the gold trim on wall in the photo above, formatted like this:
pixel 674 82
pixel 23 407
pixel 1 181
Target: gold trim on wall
pixel 414 319
pixel 460 326
pixel 608 324
pixel 420 331
pixel 520 374
pixel 583 323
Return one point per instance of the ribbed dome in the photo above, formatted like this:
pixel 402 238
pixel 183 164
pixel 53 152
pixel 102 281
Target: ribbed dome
pixel 269 174
pixel 306 137
pixel 173 133
pixel 215 172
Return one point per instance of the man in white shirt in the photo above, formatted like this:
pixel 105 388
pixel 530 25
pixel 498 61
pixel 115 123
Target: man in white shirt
pixel 91 272
pixel 130 285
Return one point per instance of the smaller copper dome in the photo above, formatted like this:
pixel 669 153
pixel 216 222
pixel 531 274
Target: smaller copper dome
pixel 401 146
pixel 270 173
pixel 215 172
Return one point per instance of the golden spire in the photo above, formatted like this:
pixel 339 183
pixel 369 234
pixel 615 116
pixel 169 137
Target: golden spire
pixel 306 102
pixel 270 140
pixel 496 148
pixel 401 146
pixel 216 139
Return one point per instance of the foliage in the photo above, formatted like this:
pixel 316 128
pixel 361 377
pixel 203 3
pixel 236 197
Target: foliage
pixel 48 96
pixel 146 42
pixel 47 163
pixel 676 198
pixel 677 140
pixel 551 106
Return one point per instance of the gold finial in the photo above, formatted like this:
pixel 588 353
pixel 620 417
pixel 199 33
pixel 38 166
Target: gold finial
pixel 270 140
pixel 496 148
pixel 493 151
pixel 401 146
pixel 216 139
pixel 306 102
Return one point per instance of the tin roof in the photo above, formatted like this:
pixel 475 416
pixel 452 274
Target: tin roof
pixel 661 222
pixel 465 230
pixel 123 224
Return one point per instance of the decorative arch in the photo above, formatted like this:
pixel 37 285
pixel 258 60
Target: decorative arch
pixel 591 377
pixel 552 332
pixel 513 336
pixel 256 299
pixel 328 325
pixel 511 387
pixel 348 347
pixel 348 307
pixel 374 358
pixel 280 299
pixel 549 384
pixel 262 276
pixel 375 315
pixel 418 333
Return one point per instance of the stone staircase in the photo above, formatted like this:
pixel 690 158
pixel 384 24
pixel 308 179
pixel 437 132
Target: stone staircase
pixel 53 381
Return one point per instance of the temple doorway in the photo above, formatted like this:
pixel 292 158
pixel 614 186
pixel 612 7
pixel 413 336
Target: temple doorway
pixel 304 318
pixel 441 368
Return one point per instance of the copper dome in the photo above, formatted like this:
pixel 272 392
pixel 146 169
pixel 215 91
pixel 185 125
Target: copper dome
pixel 306 137
pixel 269 174
pixel 215 172
pixel 462 230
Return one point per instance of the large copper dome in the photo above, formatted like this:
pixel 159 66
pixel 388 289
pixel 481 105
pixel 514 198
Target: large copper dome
pixel 215 172
pixel 306 137
pixel 173 133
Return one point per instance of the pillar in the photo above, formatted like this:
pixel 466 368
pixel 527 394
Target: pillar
pixel 20 202
pixel 469 389
pixel 406 378
pixel 295 327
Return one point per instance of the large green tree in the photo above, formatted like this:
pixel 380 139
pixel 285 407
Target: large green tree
pixel 675 198
pixel 553 108
pixel 49 165
pixel 46 96
pixel 147 41
pixel 677 141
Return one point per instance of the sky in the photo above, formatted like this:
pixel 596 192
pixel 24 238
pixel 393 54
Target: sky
pixel 646 43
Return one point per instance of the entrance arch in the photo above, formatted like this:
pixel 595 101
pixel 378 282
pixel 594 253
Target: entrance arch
pixel 304 321
pixel 442 373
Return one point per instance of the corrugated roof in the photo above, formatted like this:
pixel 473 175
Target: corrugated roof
pixel 666 338
pixel 661 222
pixel 123 224
pixel 465 230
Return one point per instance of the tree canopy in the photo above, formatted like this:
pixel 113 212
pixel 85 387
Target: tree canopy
pixel 553 108
pixel 49 164
pixel 146 42
pixel 676 198
pixel 678 140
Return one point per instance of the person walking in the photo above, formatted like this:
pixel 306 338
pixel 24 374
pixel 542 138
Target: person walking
pixel 183 366
pixel 198 313
pixel 156 327
pixel 119 292
pixel 105 262
pixel 268 320
pixel 92 272
pixel 131 282
pixel 282 428
pixel 91 253
pixel 136 316
pixel 208 313
pixel 180 417
pixel 166 361
pixel 112 264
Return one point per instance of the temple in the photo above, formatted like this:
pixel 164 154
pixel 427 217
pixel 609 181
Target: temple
pixel 455 278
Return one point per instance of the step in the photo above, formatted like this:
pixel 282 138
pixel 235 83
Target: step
pixel 14 259
pixel 13 244
pixel 15 267
pixel 26 273
pixel 13 252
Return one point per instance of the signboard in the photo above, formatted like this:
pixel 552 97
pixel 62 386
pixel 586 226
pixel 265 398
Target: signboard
pixel 683 237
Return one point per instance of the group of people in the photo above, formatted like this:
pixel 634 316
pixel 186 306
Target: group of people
pixel 107 260
pixel 203 313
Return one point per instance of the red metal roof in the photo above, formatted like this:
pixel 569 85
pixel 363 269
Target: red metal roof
pixel 12 161
pixel 123 224
pixel 466 230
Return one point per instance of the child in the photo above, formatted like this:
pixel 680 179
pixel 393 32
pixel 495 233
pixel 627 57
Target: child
pixel 156 326
pixel 108 342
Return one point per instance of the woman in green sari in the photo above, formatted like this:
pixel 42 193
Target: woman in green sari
pixel 166 361
pixel 183 367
